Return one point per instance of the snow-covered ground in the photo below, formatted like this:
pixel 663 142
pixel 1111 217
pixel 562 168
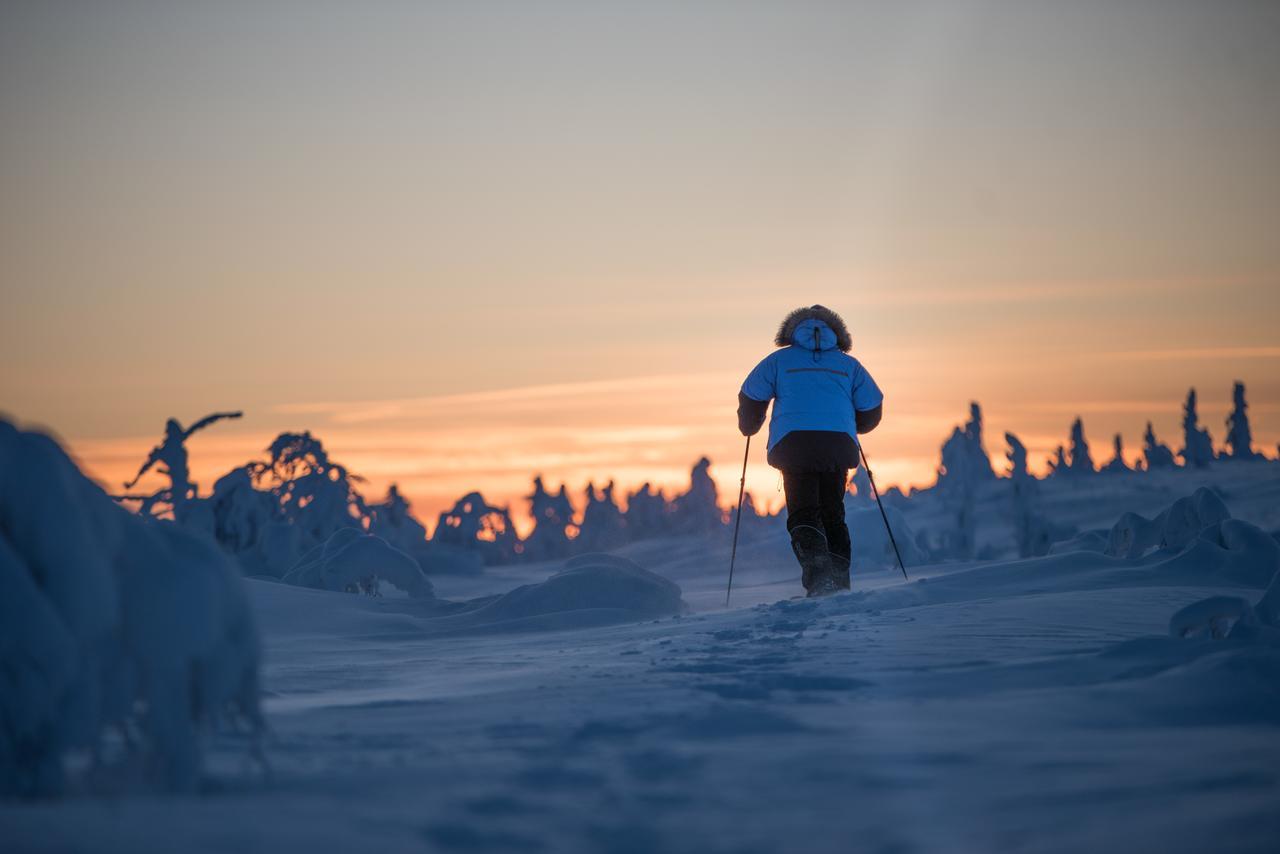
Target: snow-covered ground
pixel 1030 705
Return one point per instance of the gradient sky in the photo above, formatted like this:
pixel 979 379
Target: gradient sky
pixel 467 242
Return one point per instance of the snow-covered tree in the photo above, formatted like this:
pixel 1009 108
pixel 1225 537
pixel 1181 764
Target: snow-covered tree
pixel 552 520
pixel 1197 451
pixel 603 525
pixel 1117 464
pixel 966 443
pixel 171 456
pixel 112 629
pixel 474 525
pixel 1032 533
pixel 647 513
pixel 698 509
pixel 1239 436
pixel 312 497
pixel 1081 462
pixel 1155 452
pixel 957 481
pixel 980 462
pixel 393 521
pixel 862 485
pixel 1058 462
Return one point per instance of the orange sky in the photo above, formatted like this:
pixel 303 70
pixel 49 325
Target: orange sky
pixel 467 243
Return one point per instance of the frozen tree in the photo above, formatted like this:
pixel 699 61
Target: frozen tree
pixel 1032 531
pixel 862 485
pixel 980 462
pixel 1081 460
pixel 698 510
pixel 1117 464
pixel 647 513
pixel 1198 446
pixel 1017 456
pixel 111 630
pixel 1239 436
pixel 603 525
pixel 957 482
pixel 392 521
pixel 473 525
pixel 240 512
pixel 1058 462
pixel 552 521
pixel 171 456
pixel 1155 452
pixel 312 498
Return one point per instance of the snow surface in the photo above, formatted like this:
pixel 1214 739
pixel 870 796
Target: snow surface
pixel 1039 704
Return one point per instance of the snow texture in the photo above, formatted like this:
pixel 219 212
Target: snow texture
pixel 1008 704
pixel 110 624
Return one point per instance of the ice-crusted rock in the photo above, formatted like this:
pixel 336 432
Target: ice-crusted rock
pixel 351 560
pixel 110 621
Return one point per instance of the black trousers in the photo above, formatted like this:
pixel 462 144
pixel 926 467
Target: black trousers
pixel 817 498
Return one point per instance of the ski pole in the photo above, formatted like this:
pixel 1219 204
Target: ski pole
pixel 871 480
pixel 737 522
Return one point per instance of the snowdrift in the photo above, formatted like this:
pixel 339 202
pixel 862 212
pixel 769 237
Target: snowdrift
pixel 592 590
pixel 357 562
pixel 110 624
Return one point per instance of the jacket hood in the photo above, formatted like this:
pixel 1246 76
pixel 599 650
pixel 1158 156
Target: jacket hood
pixel 800 325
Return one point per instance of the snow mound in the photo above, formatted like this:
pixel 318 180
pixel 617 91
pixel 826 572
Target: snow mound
pixel 1232 616
pixel 1134 535
pixel 110 622
pixel 353 561
pixel 591 590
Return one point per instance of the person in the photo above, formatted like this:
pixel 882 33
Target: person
pixel 822 399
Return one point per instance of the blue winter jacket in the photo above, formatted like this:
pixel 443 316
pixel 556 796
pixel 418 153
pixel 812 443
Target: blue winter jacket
pixel 814 385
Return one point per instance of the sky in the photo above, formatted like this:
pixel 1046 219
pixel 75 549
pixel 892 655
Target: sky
pixel 464 243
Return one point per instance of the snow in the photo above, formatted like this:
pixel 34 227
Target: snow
pixel 1117 699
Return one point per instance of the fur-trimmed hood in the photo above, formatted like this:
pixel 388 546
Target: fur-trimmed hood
pixel 811 318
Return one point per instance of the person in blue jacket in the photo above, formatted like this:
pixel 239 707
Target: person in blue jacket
pixel 822 399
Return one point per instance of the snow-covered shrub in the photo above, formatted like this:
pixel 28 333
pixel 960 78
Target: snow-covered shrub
pixel 110 623
pixel 355 562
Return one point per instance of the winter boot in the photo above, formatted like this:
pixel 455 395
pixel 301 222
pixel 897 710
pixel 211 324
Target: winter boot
pixel 840 570
pixel 810 545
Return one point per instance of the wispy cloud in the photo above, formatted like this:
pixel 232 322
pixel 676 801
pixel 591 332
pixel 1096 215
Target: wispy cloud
pixel 1189 354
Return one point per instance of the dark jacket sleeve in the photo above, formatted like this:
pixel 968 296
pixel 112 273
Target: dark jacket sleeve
pixel 751 414
pixel 867 419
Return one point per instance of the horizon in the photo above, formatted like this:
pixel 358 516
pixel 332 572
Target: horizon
pixel 111 462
